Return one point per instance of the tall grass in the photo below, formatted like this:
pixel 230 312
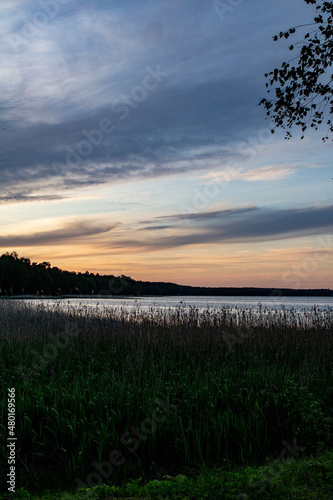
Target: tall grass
pixel 240 382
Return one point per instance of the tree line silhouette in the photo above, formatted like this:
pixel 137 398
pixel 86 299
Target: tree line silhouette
pixel 20 276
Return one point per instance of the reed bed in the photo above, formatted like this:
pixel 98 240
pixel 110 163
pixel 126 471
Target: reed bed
pixel 237 383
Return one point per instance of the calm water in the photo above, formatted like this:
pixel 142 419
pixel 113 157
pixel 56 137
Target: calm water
pixel 145 303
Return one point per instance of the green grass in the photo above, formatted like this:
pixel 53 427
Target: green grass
pixel 236 386
pixel 302 478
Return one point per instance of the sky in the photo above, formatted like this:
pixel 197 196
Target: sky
pixel 132 143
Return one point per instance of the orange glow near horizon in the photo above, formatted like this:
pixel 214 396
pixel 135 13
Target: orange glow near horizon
pixel 251 265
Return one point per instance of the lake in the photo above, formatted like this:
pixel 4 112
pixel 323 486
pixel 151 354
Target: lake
pixel 146 303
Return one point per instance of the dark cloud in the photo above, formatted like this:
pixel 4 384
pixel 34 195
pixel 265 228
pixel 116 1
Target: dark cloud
pixel 96 58
pixel 154 228
pixel 207 216
pixel 22 197
pixel 250 225
pixel 70 232
pixel 164 128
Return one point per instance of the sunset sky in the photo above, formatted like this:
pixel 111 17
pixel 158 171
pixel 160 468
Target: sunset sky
pixel 132 144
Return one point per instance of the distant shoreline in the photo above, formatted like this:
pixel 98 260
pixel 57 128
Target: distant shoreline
pixel 234 292
pixel 21 278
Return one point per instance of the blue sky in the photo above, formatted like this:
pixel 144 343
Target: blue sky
pixel 133 144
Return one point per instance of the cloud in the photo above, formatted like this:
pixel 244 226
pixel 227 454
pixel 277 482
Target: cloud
pixel 207 216
pixel 129 203
pixel 267 173
pixel 22 197
pixel 83 66
pixel 154 228
pixel 154 132
pixel 69 233
pixel 249 225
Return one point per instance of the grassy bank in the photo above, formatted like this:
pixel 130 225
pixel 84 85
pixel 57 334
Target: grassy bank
pixel 116 396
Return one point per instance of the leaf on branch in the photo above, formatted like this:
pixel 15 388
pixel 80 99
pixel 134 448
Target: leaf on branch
pixel 304 92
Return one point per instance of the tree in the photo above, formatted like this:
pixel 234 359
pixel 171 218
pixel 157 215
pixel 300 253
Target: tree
pixel 304 91
pixel 13 274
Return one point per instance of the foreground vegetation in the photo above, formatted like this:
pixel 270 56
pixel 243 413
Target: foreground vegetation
pixel 103 398
pixel 303 479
